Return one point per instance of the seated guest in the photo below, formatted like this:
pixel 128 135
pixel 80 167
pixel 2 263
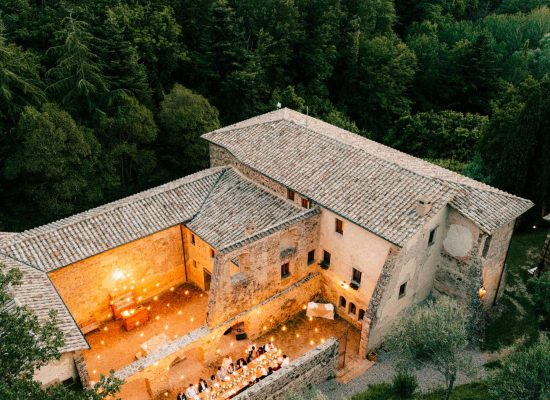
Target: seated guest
pixel 264 371
pixel 286 361
pixel 226 361
pixel 241 362
pixel 269 371
pixel 202 385
pixel 261 350
pixel 250 356
pixel 181 395
pixel 220 375
pixel 191 392
pixel 230 368
pixel 214 382
pixel 268 347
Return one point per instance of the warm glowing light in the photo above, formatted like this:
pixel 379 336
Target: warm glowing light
pixel 141 334
pixel 482 292
pixel 192 319
pixel 139 298
pixel 187 292
pixel 316 329
pixel 145 289
pixel 103 342
pixel 155 298
pixel 310 319
pixel 142 280
pixel 257 312
pixel 124 287
pixel 304 307
pixel 165 326
pixel 172 289
pixel 156 364
pixel 311 342
pixel 105 328
pixel 118 274
pixel 98 357
pixel 265 328
pixel 94 371
pixel 201 294
pixel 166 394
pixel 181 376
pixel 176 336
pixel 297 335
pixel 271 320
pixel 231 344
pixel 283 328
pixel 157 317
pixel 148 308
pixel 271 339
pixel 157 284
pixel 179 312
pixel 218 351
pixel 322 340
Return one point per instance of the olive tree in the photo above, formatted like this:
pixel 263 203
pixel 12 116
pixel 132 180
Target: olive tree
pixel 435 336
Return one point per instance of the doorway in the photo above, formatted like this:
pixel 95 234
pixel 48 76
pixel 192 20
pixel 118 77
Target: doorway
pixel 207 279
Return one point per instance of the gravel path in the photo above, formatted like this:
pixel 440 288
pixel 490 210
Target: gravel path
pixel 382 372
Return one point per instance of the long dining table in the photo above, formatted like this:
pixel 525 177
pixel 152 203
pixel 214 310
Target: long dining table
pixel 242 378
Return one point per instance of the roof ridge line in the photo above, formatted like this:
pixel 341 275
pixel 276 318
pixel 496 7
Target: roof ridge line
pixel 224 170
pixel 124 202
pixel 26 263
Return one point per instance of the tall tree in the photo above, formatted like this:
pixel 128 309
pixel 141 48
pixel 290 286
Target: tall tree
pixel 77 79
pixel 55 169
pixel 184 116
pixel 516 143
pixel 127 134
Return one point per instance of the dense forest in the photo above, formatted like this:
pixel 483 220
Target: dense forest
pixel 102 98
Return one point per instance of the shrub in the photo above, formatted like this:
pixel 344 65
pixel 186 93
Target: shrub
pixel 404 385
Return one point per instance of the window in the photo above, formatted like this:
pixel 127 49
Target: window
pixel 212 253
pixel 311 257
pixel 192 238
pixel 339 226
pixel 486 246
pixel 326 257
pixel 305 203
pixel 431 239
pixel 356 276
pixel 290 194
pixel 285 270
pixel 194 263
pixel 402 290
pixel 352 309
pixel 343 301
pixel 361 315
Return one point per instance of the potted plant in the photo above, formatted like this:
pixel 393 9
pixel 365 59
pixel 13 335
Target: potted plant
pixel 354 285
pixel 324 264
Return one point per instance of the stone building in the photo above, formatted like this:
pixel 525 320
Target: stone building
pixel 292 209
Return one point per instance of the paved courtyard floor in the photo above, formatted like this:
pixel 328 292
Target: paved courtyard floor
pixel 174 313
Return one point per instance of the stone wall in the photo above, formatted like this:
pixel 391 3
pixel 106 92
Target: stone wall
pixel 57 371
pixel 251 274
pixel 198 258
pixel 313 368
pixel 493 265
pixel 154 264
pixel 206 341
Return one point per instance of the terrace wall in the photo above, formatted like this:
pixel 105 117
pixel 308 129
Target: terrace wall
pixel 313 368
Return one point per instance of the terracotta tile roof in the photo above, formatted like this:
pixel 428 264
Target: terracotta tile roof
pixel 80 236
pixel 238 211
pixel 366 182
pixel 38 294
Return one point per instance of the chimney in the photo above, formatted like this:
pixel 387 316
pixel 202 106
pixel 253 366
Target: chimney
pixel 423 206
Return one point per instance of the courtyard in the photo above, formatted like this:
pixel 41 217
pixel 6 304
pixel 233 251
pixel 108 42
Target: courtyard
pixel 173 314
pixel 294 338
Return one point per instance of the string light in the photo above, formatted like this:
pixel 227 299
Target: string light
pixel 157 317
pixel 179 312
pixel 155 298
pixel 283 328
pixel 187 292
pixel 172 289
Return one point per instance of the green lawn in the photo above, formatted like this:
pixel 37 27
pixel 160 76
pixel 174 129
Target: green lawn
pixel 515 317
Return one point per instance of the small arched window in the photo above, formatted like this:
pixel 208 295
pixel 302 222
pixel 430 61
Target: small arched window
pixel 361 315
pixel 352 308
pixel 343 301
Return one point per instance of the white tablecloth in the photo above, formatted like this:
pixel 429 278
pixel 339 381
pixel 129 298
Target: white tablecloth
pixel 320 310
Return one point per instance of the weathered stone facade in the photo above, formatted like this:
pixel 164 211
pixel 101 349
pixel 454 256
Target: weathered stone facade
pixel 155 263
pixel 313 368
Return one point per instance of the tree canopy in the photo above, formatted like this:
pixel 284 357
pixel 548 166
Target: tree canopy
pixel 454 82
